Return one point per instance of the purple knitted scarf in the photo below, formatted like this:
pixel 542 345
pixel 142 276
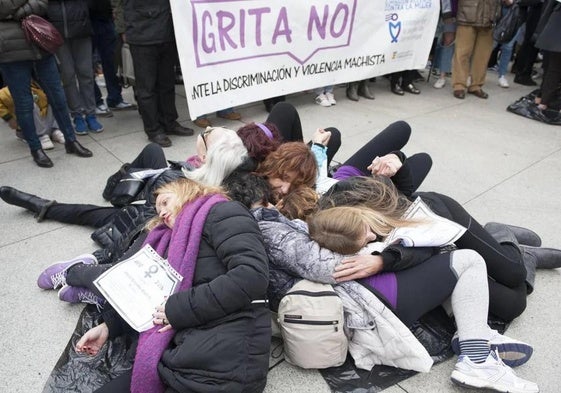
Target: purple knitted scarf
pixel 182 243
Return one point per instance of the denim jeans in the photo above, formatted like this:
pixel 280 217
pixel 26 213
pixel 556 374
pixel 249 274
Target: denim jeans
pixel 17 75
pixel 443 57
pixel 104 40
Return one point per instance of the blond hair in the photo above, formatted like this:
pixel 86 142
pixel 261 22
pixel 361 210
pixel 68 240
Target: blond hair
pixel 342 229
pixel 187 190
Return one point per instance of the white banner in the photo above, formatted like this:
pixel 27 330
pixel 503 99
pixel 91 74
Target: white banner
pixel 237 51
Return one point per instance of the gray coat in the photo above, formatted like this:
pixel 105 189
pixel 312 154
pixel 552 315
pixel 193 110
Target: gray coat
pixel 148 22
pixel 13 45
pixel 376 335
pixel 549 27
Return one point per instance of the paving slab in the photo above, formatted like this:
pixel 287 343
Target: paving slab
pixel 500 166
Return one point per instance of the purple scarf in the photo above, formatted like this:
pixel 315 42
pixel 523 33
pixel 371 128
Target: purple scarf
pixel 182 243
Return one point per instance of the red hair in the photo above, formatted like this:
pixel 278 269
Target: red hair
pixel 257 142
pixel 291 157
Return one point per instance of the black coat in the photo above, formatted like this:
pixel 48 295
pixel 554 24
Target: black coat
pixel 148 22
pixel 13 45
pixel 222 340
pixel 71 18
pixel 549 27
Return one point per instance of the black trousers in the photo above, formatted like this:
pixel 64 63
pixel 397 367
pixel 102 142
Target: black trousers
pixel 393 137
pixel 155 85
pixel 551 77
pixel 528 53
pixel 285 116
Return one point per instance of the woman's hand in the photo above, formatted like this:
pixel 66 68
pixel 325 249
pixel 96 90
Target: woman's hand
pixel 387 165
pixel 92 341
pixel 359 266
pixel 321 136
pixel 161 319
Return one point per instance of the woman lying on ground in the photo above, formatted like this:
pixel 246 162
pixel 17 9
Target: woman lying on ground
pixel 379 308
pixel 219 152
pixel 213 334
pixel 460 275
pixel 510 265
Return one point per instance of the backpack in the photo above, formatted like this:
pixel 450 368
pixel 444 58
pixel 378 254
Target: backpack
pixel 508 25
pixel 311 321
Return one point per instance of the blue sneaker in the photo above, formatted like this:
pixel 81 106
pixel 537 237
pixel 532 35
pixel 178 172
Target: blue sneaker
pixel 80 126
pixel 93 125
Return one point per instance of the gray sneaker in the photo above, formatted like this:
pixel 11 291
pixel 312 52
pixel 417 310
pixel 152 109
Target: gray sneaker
pixel 123 106
pixel 102 110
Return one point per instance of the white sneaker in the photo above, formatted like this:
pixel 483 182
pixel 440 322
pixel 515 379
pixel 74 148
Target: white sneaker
pixel 123 105
pixel 331 98
pixel 468 81
pixel 491 374
pixel 46 142
pixel 503 82
pixel 439 84
pixel 57 136
pixel 512 352
pixel 102 110
pixel 322 100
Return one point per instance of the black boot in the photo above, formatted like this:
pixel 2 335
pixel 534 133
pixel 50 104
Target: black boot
pixel 546 258
pixel 524 236
pixel 364 90
pixel 530 263
pixel 33 203
pixel 352 91
pixel 41 159
pixel 74 147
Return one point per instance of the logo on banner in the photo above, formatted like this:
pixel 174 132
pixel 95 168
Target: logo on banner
pixel 394 26
pixel 233 30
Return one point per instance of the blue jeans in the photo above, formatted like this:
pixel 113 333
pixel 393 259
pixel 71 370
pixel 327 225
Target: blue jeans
pixel 506 50
pixel 104 41
pixel 17 75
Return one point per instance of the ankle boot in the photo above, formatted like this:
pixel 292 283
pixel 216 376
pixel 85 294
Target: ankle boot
pixel 41 159
pixel 352 91
pixel 524 236
pixel 530 263
pixel 364 90
pixel 546 258
pixel 74 147
pixel 33 203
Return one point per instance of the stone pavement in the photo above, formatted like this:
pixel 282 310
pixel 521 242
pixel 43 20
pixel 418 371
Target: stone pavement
pixel 501 167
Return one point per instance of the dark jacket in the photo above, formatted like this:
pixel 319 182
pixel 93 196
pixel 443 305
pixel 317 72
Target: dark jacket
pixel 148 22
pixel 478 13
pixel 222 340
pixel 71 18
pixel 549 27
pixel 13 45
pixel 101 9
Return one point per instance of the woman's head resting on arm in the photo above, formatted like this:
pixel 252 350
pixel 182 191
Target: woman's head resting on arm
pixel 171 197
pixel 299 203
pixel 260 139
pixel 290 166
pixel 347 229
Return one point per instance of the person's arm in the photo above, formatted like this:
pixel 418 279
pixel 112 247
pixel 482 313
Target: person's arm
pixel 238 244
pixel 31 7
pixel 397 257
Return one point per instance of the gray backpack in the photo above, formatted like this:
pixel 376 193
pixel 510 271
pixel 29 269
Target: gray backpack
pixel 311 323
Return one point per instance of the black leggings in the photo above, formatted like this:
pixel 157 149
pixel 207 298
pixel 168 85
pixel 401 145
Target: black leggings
pixel 505 268
pixel 286 118
pixel 120 384
pixel 392 138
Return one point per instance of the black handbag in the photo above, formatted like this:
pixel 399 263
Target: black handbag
pixel 126 190
pixel 508 25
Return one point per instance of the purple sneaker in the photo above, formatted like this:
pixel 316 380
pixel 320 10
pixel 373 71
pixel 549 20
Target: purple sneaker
pixel 80 295
pixel 55 275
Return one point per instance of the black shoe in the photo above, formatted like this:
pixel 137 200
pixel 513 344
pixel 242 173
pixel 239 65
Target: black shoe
pixel 160 139
pixel 524 236
pixel 411 88
pixel 546 258
pixel 41 159
pixel 74 147
pixel 396 89
pixel 113 180
pixel 178 129
pixel 28 201
pixel 525 80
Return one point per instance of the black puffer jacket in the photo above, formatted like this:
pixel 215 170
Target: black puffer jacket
pixel 71 18
pixel 13 45
pixel 148 22
pixel 548 31
pixel 222 340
